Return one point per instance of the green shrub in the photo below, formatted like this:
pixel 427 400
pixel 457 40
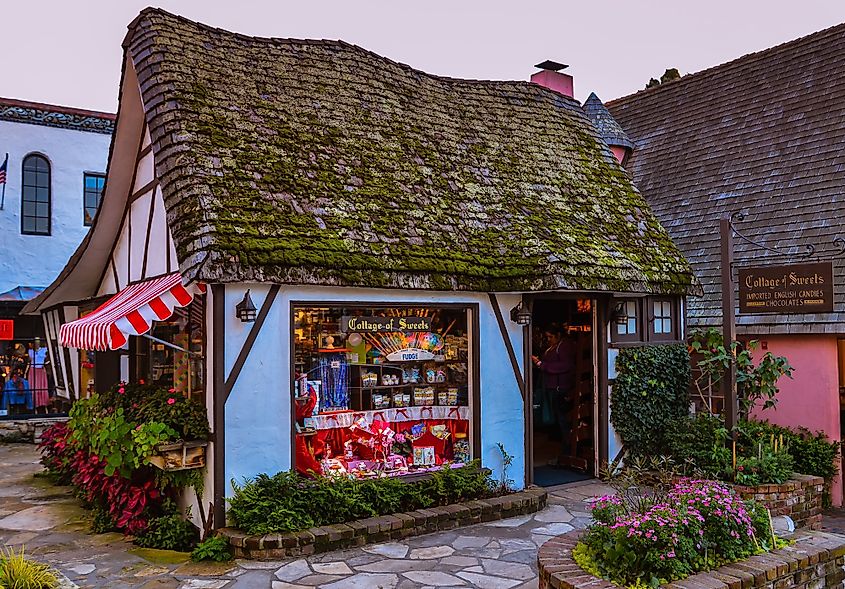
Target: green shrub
pixel 650 391
pixel 691 441
pixel 18 572
pixel 169 532
pixel 766 453
pixel 288 502
pixel 101 520
pixel 214 548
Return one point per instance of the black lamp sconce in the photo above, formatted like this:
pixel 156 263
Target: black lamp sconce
pixel 245 310
pixel 520 315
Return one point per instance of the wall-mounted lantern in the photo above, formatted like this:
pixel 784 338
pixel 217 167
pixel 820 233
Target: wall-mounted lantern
pixel 245 310
pixel 520 315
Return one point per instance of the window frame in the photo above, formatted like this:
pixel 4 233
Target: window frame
pixel 673 319
pixel 85 176
pixel 637 336
pixel 473 361
pixel 25 200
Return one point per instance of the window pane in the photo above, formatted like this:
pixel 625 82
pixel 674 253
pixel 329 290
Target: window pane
pixel 29 224
pixel 29 209
pixel 42 225
pixel 42 209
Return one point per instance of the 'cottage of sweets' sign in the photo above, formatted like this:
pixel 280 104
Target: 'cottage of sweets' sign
pixel 795 288
pixel 383 324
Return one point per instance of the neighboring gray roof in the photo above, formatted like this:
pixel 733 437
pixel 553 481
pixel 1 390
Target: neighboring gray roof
pixel 318 162
pixel 764 134
pixel 51 115
pixel 608 128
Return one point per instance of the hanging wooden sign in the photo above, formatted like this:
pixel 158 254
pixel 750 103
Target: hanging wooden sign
pixel 793 288
pixel 7 329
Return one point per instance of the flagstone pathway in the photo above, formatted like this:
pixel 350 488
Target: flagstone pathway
pixel 52 526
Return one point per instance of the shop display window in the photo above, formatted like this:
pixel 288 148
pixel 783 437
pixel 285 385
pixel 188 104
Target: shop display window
pixel 381 390
pixel 176 359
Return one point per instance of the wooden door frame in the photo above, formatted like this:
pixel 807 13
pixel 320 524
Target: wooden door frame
pixel 601 305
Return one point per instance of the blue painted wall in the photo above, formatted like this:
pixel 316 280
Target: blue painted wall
pixel 258 424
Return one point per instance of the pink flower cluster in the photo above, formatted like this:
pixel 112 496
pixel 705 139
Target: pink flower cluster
pixel 714 499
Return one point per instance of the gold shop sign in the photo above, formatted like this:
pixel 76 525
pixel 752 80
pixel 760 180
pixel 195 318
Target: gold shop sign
pixel 382 324
pixel 794 288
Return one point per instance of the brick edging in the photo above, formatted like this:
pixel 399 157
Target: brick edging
pixel 383 528
pixel 799 498
pixel 816 559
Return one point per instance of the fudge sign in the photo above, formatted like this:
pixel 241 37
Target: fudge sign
pixel 795 288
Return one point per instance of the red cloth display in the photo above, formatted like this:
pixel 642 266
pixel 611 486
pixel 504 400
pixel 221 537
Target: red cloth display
pixel 334 439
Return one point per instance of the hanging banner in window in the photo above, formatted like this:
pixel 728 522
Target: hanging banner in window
pixel 382 324
pixel 793 288
pixel 7 329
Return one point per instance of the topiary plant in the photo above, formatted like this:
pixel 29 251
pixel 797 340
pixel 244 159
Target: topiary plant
pixel 650 391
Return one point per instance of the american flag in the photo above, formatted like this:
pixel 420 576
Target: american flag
pixel 3 170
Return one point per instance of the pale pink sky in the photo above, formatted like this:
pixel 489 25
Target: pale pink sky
pixel 68 52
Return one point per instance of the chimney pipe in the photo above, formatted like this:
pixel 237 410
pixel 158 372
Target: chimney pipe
pixel 551 77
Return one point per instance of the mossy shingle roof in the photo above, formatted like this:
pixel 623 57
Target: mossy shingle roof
pixel 318 162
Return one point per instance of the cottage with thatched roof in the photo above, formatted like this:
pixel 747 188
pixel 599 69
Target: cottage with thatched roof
pixel 310 236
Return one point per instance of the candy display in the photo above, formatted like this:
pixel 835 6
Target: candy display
pixel 388 389
pixel 424 396
pixel 461 448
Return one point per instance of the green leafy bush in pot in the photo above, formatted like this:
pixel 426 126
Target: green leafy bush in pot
pixel 651 390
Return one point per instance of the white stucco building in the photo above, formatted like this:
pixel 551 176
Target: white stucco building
pixel 52 151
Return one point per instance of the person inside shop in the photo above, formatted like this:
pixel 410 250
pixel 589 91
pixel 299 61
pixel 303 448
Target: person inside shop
pixel 17 395
pixel 38 376
pixel 558 367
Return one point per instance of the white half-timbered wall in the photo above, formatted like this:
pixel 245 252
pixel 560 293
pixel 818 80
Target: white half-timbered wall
pixel 144 248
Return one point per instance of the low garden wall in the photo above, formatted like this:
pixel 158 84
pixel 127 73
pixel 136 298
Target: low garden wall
pixel 814 561
pixel 26 430
pixel 383 528
pixel 800 498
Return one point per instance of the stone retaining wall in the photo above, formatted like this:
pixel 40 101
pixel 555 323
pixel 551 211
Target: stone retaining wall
pixel 800 498
pixel 383 528
pixel 814 561
pixel 26 430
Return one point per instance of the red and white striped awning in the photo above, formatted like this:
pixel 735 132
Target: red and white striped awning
pixel 129 312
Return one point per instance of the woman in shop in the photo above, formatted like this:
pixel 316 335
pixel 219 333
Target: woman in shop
pixel 558 367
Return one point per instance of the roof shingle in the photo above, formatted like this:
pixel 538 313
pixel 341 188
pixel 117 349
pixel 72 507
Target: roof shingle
pixel 763 134
pixel 318 162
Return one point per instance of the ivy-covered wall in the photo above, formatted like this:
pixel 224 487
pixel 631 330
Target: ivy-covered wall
pixel 651 389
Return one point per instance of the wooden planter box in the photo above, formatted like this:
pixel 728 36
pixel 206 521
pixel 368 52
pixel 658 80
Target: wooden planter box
pixel 179 455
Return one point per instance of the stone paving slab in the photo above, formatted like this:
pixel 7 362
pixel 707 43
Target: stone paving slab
pixel 501 554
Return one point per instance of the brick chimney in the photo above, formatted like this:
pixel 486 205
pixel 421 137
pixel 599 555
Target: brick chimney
pixel 551 77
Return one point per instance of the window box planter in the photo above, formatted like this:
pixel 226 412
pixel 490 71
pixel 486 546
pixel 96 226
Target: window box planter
pixel 179 455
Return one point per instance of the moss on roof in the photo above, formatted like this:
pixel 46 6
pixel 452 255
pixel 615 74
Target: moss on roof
pixel 318 162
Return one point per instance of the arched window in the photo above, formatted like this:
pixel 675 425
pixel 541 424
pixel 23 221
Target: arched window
pixel 35 196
